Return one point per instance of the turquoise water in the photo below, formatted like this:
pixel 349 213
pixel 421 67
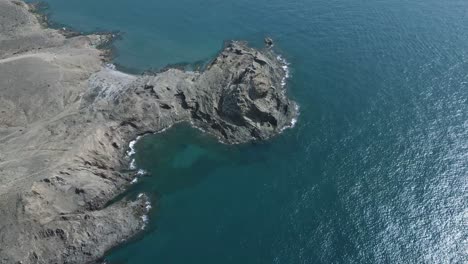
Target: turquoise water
pixel 376 169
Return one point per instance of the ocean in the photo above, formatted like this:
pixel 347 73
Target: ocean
pixel 376 168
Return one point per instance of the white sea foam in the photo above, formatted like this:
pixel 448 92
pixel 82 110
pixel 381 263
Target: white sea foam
pixel 285 66
pixel 132 165
pixel 145 220
pixel 148 206
pixel 139 173
pixel 293 120
pixel 145 217
pixel 163 130
pixel 131 152
pixel 131 147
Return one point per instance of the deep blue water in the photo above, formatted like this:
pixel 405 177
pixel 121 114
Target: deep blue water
pixel 376 169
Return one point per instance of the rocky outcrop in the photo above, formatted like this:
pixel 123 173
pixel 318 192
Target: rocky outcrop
pixel 66 120
pixel 239 97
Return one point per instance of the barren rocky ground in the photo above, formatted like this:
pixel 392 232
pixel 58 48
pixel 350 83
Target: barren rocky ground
pixel 66 120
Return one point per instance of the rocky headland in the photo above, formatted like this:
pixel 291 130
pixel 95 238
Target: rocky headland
pixel 66 118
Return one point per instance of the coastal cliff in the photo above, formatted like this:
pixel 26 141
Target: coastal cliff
pixel 66 118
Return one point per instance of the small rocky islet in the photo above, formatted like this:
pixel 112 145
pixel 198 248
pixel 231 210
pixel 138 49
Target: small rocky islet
pixel 67 118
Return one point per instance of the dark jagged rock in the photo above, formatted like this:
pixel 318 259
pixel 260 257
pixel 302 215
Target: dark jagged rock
pixel 269 42
pixel 247 97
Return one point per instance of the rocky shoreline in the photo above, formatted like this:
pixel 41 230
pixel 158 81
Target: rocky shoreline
pixel 66 120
